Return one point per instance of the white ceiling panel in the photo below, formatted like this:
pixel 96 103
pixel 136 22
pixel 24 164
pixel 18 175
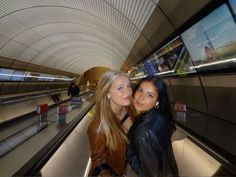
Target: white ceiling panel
pixel 27 55
pixel 10 27
pixel 28 37
pixel 12 49
pixel 72 35
pixel 3 41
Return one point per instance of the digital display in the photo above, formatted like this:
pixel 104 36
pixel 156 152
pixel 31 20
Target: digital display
pixel 5 74
pixel 212 39
pixel 150 67
pixel 17 76
pixel 166 58
pixel 31 76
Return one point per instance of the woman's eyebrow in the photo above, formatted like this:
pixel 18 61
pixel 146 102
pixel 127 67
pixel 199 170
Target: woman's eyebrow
pixel 151 92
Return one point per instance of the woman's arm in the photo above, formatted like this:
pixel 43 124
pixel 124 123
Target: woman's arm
pixel 97 141
pixel 149 154
pixel 132 159
pixel 150 145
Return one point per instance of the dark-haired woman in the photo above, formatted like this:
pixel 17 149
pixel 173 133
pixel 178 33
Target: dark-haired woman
pixel 150 152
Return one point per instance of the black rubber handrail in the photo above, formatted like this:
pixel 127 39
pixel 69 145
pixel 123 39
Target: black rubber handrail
pixel 34 165
pixel 30 96
pixel 14 99
pixel 212 149
pixel 33 113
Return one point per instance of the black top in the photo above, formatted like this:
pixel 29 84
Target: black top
pixel 73 90
pixel 124 118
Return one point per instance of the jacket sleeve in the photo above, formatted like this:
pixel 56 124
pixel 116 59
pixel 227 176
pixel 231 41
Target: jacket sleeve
pixel 150 148
pixel 132 159
pixel 149 157
pixel 97 141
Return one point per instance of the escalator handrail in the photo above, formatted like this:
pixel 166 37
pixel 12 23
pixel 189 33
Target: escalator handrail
pixel 34 165
pixel 25 97
pixel 208 147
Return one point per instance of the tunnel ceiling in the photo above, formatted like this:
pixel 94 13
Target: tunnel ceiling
pixel 72 35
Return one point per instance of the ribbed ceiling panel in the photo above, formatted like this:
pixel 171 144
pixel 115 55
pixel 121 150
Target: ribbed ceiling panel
pixel 72 35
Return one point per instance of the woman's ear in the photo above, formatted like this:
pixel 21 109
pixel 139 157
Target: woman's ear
pixel 108 96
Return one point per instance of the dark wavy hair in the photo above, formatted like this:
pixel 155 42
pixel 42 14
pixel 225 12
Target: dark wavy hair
pixel 164 105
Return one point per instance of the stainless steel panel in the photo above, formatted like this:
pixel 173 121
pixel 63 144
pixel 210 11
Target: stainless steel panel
pixel 25 87
pixel 9 87
pixel 169 90
pixel 221 96
pixel 189 92
pixel 179 11
pixel 43 86
pixel 197 122
pixel 155 30
pixel 223 134
pixel 35 86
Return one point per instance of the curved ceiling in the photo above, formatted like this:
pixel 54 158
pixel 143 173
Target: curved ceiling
pixel 72 35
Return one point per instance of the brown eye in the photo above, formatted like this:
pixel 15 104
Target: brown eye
pixel 139 90
pixel 149 95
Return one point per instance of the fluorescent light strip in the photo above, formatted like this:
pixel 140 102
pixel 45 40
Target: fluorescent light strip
pixel 165 72
pixel 213 63
pixel 39 77
pixel 139 77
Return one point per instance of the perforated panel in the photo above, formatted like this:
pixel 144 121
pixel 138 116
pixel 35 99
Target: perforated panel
pixel 72 35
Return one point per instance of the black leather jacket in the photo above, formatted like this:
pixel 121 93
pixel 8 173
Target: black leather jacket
pixel 150 153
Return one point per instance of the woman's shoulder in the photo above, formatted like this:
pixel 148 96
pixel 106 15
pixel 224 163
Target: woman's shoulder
pixel 95 134
pixel 94 126
pixel 158 116
pixel 154 121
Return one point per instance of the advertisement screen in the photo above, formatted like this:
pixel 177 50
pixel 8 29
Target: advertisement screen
pixel 212 39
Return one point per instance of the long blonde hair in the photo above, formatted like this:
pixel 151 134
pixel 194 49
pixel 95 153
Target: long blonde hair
pixel 109 124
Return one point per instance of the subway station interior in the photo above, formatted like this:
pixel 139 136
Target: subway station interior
pixel 46 45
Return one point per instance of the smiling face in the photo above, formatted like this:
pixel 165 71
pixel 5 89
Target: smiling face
pixel 120 91
pixel 145 97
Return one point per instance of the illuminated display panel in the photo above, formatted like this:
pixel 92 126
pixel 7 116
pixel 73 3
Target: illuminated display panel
pixel 211 42
pixel 138 71
pixel 5 74
pixel 173 58
pixel 150 67
pixel 165 58
pixel 45 77
pixel 17 76
pixel 31 76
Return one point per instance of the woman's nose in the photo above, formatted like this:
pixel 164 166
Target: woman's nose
pixel 142 96
pixel 129 90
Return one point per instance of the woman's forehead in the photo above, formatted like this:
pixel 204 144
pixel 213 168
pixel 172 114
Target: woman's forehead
pixel 120 80
pixel 148 86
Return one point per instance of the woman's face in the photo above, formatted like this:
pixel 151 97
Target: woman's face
pixel 145 97
pixel 120 91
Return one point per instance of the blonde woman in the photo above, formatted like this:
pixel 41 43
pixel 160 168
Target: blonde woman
pixel 111 122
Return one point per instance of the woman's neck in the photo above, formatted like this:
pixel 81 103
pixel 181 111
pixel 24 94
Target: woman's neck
pixel 119 111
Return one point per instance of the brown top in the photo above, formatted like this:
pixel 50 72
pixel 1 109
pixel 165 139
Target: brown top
pixel 102 154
